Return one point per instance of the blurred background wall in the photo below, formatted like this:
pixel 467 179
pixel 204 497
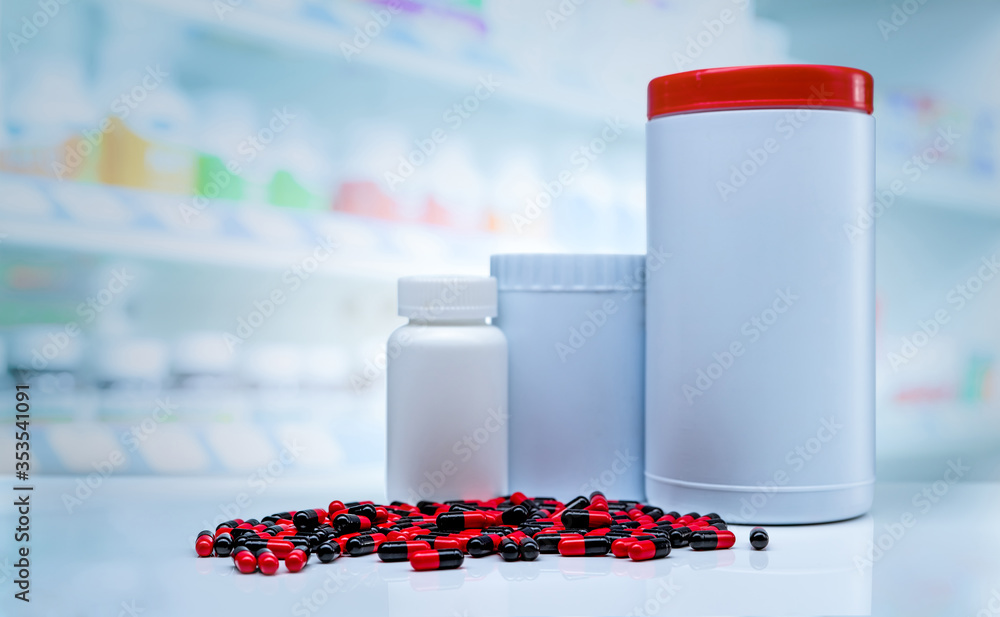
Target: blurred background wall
pixel 204 204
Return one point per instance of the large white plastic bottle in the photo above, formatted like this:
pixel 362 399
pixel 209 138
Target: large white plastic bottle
pixel 447 392
pixel 760 327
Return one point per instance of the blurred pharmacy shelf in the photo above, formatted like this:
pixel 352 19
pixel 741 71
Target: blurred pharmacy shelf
pixel 538 52
pixel 329 30
pixel 70 216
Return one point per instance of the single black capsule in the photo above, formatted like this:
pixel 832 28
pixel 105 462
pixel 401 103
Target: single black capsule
pixel 680 537
pixel 758 538
pixel 529 549
pixel 328 551
pixel 277 516
pixel 306 520
pixel 509 550
pixel 349 523
pixel 480 546
pixel 223 545
pixel 548 543
pixel 652 511
pixel 366 510
pixel 514 516
pixel 360 545
pixel 578 503
pixel 427 507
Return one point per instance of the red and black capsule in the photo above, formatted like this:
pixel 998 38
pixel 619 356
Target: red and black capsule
pixel 205 543
pixel 402 550
pixel 652 511
pixel 654 548
pixel 577 503
pixel 328 551
pixel 669 517
pixel 529 548
pixel 279 546
pixel 277 516
pixel 486 544
pixel 267 561
pixel 687 518
pixel 351 523
pixel 585 519
pixel 245 560
pixel 519 499
pixel 296 560
pixel 584 547
pixel 708 540
pixel 509 549
pixel 366 510
pixel 758 538
pixel 440 542
pixel 307 520
pixel 514 516
pixel 441 559
pixel 364 544
pixel 457 521
pixel 548 542
pixel 681 536
pixel 223 545
pixel 620 546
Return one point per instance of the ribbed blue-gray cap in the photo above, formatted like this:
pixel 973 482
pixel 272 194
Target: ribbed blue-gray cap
pixel 568 272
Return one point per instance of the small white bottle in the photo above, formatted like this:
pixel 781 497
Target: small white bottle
pixel 447 392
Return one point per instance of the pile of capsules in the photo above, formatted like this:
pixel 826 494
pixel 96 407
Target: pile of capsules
pixel 437 536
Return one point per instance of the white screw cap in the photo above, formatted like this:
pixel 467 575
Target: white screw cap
pixel 447 297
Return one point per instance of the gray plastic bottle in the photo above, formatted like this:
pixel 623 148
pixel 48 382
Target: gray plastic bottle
pixel 575 332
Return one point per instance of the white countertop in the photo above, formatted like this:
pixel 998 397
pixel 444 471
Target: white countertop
pixel 128 549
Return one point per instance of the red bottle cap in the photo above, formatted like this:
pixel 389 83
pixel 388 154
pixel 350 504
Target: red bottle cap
pixel 742 87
